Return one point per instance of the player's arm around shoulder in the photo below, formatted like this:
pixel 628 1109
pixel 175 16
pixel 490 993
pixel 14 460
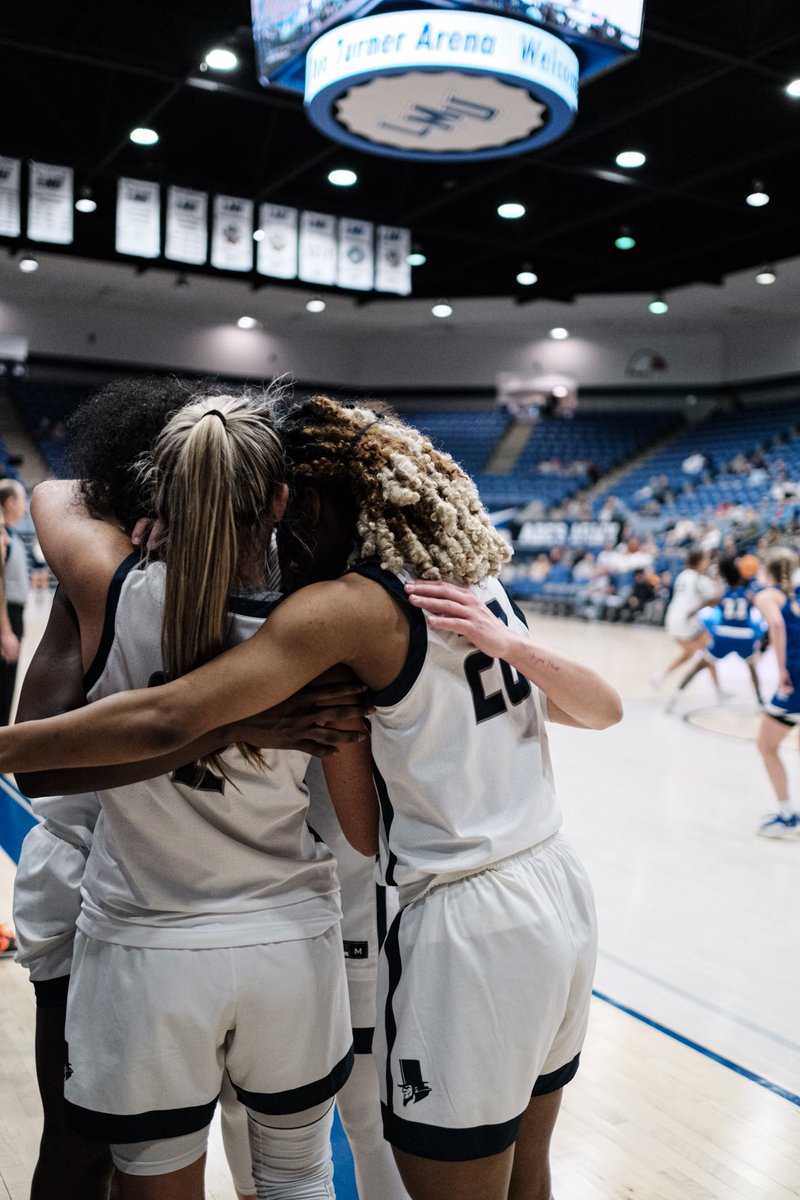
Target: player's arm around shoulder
pixel 576 694
pixel 82 552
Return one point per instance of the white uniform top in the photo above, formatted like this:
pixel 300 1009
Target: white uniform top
pixel 228 862
pixel 692 590
pixel 72 818
pixel 462 765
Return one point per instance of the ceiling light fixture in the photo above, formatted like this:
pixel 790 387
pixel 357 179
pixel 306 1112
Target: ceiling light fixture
pixel 511 211
pixel 221 60
pixel 416 258
pixel 793 89
pixel 85 203
pixel 526 277
pixel 342 177
pixel 247 322
pixel 258 235
pixel 144 137
pixel 28 263
pixel 766 275
pixel 758 197
pixel 625 239
pixel 630 159
pixel 658 305
pixel 559 333
pixel 316 306
pixel 442 309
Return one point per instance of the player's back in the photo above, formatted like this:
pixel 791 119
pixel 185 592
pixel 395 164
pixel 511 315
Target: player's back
pixel 197 857
pixel 462 762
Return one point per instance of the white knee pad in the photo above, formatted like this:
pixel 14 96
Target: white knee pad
pixel 159 1157
pixel 235 1138
pixel 292 1159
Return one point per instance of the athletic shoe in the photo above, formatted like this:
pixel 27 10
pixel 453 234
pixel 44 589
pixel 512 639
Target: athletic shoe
pixel 8 943
pixel 775 825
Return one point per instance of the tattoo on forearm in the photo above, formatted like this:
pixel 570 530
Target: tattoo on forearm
pixel 547 663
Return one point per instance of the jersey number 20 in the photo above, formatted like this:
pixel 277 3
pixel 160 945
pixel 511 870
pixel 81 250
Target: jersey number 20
pixel 516 687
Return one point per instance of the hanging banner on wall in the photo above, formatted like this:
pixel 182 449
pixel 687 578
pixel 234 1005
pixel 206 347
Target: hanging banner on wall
pixel 317 259
pixel 277 250
pixel 232 237
pixel 9 197
pixel 138 218
pixel 392 248
pixel 356 256
pixel 187 226
pixel 50 204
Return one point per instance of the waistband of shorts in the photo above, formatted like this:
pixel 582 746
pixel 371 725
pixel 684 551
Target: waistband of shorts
pixel 445 879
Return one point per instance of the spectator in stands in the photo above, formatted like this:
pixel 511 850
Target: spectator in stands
pixel 541 568
pixel 642 593
pixel 584 568
pixel 599 590
pixel 13 502
pixel 613 510
pixel 9 642
pixel 8 645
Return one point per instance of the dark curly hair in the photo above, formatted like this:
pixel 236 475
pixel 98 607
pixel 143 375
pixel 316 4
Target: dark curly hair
pixel 110 431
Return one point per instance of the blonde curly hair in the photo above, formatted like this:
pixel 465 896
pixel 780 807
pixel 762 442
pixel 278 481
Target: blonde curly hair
pixel 414 505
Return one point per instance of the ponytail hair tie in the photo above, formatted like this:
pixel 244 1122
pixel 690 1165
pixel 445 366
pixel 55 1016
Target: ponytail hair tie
pixel 214 412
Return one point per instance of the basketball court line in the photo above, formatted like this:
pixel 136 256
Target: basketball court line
pixel 775 1088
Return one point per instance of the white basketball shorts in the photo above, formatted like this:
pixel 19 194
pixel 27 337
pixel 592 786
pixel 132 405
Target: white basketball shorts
pixel 150 1032
pixel 484 986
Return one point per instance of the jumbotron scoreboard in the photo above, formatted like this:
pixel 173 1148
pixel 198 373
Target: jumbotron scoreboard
pixel 445 81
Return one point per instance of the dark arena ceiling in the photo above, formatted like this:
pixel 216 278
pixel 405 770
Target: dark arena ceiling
pixel 705 101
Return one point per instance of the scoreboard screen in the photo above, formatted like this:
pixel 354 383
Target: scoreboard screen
pixel 600 31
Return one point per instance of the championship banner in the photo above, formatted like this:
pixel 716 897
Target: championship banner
pixel 356 255
pixel 392 272
pixel 277 251
pixel 232 237
pixel 187 226
pixel 317 257
pixel 50 204
pixel 138 218
pixel 9 197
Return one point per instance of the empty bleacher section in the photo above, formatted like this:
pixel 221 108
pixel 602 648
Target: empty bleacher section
pixel 560 458
pixel 45 406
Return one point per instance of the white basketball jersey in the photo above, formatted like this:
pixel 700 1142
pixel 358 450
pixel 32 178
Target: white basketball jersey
pixel 691 590
pixel 462 764
pixel 182 861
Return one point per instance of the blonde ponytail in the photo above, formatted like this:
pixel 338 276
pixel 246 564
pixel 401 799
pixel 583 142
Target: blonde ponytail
pixel 214 473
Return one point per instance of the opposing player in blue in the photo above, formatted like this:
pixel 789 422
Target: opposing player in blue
pixel 734 626
pixel 779 603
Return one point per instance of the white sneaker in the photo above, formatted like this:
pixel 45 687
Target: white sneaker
pixel 776 825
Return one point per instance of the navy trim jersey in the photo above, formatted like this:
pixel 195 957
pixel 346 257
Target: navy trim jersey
pixel 197 859
pixel 462 766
